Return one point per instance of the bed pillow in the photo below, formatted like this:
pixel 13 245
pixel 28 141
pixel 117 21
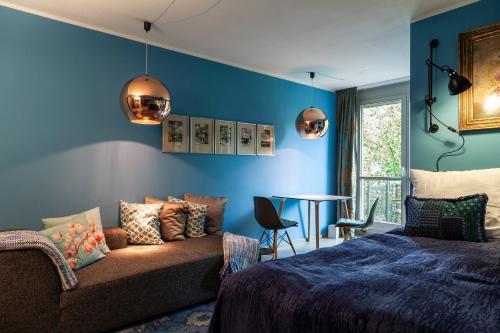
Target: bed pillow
pixel 215 213
pixel 173 218
pixel 450 219
pixel 75 241
pixel 141 222
pixel 453 184
pixel 195 224
pixel 93 217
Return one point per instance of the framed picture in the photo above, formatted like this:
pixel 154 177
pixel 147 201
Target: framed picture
pixel 202 135
pixel 480 63
pixel 265 140
pixel 225 137
pixel 245 144
pixel 175 134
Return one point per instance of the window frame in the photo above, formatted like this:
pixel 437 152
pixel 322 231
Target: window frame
pixel 405 154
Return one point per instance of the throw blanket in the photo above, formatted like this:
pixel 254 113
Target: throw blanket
pixel 379 283
pixel 239 253
pixel 32 240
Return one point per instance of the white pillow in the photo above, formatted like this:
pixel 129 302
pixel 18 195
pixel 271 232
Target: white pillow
pixel 453 184
pixel 93 217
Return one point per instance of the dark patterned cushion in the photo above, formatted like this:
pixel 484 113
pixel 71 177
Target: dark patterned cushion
pixel 451 219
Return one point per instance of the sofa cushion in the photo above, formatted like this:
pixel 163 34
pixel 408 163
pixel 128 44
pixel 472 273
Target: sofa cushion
pixel 76 241
pixel 137 282
pixel 215 213
pixel 195 224
pixel 141 222
pixel 173 218
pixel 116 237
pixel 93 217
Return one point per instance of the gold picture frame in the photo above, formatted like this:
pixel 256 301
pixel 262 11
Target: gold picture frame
pixel 480 63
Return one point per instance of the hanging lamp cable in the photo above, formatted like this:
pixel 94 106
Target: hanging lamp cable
pixel 311 76
pixel 146 59
pixel 148 24
pixel 164 11
pixel 451 129
pixel 452 152
pixel 215 4
pixel 147 27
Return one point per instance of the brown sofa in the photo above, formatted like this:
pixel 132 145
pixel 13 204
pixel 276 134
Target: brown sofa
pixel 130 284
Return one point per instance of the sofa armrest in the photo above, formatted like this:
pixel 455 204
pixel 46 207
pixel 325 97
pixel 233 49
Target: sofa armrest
pixel 30 288
pixel 116 237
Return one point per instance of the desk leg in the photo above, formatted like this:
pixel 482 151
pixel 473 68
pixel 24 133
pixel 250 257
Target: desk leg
pixel 308 238
pixel 347 231
pixel 316 209
pixel 280 209
pixel 346 209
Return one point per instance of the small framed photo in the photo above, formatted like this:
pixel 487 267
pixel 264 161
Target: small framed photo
pixel 225 137
pixel 202 135
pixel 245 144
pixel 265 140
pixel 175 134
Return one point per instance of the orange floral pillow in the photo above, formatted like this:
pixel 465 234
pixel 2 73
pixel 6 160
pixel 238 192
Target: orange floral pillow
pixel 77 240
pixel 93 214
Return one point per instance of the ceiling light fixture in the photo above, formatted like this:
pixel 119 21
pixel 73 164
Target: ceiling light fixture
pixel 144 99
pixel 311 123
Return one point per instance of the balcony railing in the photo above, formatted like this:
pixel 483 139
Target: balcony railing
pixel 388 190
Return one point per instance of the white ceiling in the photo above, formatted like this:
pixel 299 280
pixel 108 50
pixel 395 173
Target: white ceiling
pixel 361 42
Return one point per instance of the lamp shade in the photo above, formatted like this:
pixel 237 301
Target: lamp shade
pixel 458 83
pixel 145 100
pixel 311 123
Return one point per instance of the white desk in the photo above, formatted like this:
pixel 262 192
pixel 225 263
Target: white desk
pixel 316 199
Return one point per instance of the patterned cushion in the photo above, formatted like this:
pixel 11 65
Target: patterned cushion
pixel 141 222
pixel 75 241
pixel 215 213
pixel 451 219
pixel 173 218
pixel 196 218
pixel 93 216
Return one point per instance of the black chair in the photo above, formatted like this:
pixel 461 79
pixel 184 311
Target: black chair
pixel 348 224
pixel 266 216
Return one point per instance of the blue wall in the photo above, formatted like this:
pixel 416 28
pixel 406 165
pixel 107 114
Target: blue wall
pixel 482 146
pixel 66 147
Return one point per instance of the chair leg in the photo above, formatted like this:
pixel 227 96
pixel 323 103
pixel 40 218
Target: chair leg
pixel 290 242
pixel 347 233
pixel 262 236
pixel 275 244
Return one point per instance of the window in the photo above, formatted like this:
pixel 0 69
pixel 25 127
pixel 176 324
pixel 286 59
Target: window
pixel 382 160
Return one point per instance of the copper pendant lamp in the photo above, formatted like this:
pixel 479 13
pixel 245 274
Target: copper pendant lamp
pixel 311 123
pixel 144 99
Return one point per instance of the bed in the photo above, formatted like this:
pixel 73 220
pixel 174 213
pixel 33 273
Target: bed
pixel 379 283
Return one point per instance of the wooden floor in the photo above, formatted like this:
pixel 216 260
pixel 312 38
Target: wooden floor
pixel 301 246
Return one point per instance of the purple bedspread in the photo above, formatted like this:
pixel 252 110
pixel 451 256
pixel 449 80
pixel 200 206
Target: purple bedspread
pixel 379 283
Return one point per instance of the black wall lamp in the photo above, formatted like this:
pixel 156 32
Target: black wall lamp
pixel 457 84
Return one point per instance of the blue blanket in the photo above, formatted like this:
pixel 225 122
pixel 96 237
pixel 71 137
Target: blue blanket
pixel 379 283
